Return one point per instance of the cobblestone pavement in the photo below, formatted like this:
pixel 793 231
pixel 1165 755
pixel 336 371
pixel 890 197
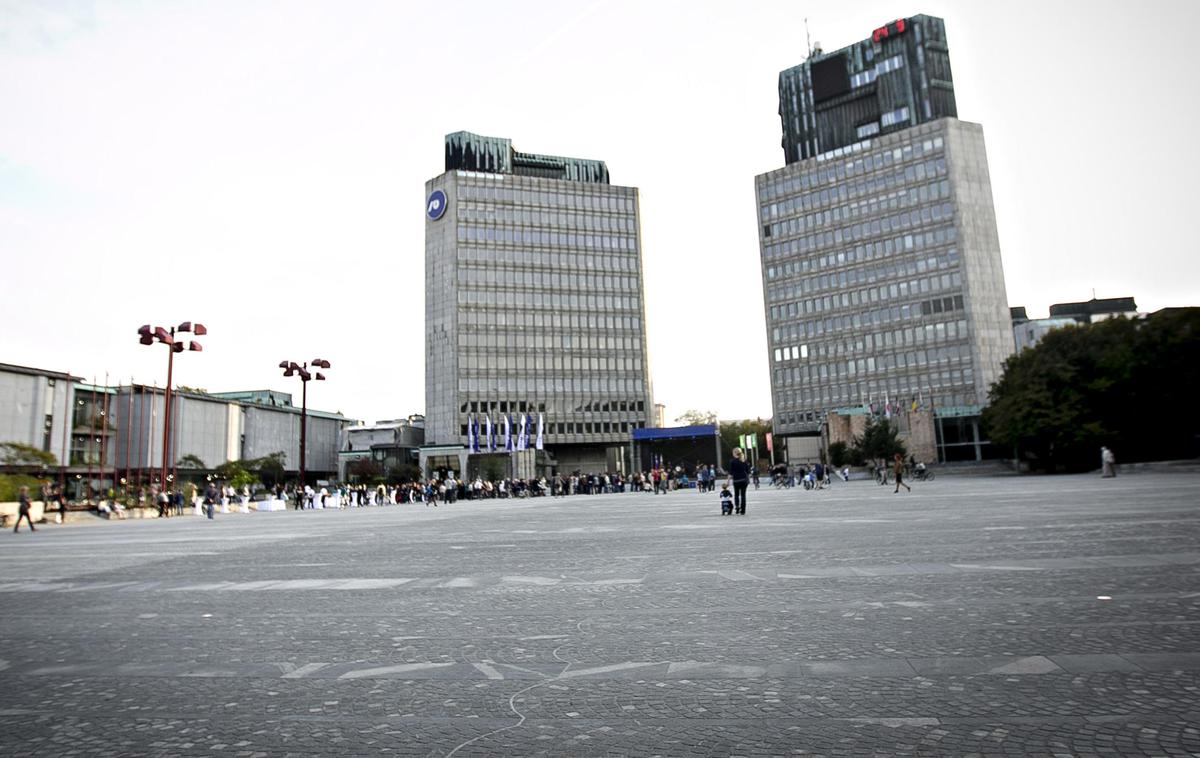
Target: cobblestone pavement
pixel 974 616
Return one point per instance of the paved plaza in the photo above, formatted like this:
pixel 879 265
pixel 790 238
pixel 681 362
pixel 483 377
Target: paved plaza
pixel 991 616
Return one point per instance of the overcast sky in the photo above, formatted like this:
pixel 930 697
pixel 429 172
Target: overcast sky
pixel 259 167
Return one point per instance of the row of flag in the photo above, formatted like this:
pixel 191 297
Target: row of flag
pixel 888 407
pixel 506 434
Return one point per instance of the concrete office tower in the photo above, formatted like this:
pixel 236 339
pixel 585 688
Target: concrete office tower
pixel 533 305
pixel 882 276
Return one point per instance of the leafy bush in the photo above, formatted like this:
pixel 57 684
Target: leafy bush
pixel 839 454
pixel 10 487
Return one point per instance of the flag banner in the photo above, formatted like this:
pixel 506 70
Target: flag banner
pixel 522 437
pixel 475 434
pixel 541 423
pixel 488 436
pixel 508 434
pixel 753 440
pixel 770 443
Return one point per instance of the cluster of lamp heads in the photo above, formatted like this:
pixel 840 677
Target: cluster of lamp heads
pixel 291 368
pixel 148 334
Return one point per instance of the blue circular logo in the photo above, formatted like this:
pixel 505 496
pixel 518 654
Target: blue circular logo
pixel 435 206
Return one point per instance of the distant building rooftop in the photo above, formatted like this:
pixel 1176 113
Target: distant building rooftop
pixel 472 152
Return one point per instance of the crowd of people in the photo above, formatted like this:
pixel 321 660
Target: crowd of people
pixel 445 488
pixel 448 489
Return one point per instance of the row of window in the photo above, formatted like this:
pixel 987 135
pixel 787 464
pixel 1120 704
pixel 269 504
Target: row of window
pixel 825 376
pixel 557 428
pixel 468 296
pixel 867 160
pixel 487 213
pixel 548 341
pixel 861 319
pixel 528 406
pixel 941 331
pixel 955 387
pixel 949 355
pixel 544 237
pixel 873 229
pixel 891 118
pixel 522 318
pixel 618 200
pixel 560 385
pixel 849 190
pixel 887 65
pixel 842 345
pixel 918 196
pixel 867 130
pixel 810 243
pixel 874 251
pixel 838 281
pixel 546 277
pixel 542 362
pixel 942 305
pixel 552 259
pixel 881 294
pixel 841 280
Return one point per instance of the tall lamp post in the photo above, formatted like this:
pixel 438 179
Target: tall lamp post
pixel 166 336
pixel 290 368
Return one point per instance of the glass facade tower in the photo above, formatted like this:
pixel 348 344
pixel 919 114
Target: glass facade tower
pixel 896 78
pixel 534 302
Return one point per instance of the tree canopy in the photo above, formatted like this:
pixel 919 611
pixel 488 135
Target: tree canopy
pixel 732 432
pixel 879 442
pixel 696 418
pixel 1122 383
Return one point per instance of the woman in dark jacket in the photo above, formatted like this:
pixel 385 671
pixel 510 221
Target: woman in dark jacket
pixel 739 472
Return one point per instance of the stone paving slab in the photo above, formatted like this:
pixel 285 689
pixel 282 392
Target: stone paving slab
pixel 1018 616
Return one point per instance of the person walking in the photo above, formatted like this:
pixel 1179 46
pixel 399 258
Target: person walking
pixel 898 469
pixel 1108 463
pixel 739 473
pixel 23 510
pixel 211 496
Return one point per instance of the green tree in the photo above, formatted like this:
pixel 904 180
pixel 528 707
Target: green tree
pixel 191 461
pixel 269 468
pixel 733 431
pixel 230 470
pixel 696 418
pixel 1127 384
pixel 18 454
pixel 839 454
pixel 364 470
pixel 879 442
pixel 403 472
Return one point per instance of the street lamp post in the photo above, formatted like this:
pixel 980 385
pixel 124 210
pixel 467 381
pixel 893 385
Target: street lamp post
pixel 291 368
pixel 148 335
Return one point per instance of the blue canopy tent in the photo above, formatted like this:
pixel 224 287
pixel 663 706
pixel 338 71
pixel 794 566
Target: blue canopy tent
pixel 684 446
